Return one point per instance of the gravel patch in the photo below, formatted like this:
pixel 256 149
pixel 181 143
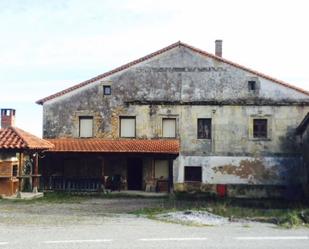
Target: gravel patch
pixel 194 217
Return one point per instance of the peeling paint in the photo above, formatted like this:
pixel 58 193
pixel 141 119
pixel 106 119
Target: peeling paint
pixel 255 171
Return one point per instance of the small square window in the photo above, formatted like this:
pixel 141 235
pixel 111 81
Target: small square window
pixel 193 174
pixel 107 90
pixel 251 85
pixel 204 128
pixel 260 128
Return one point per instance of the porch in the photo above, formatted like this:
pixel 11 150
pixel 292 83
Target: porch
pixel 118 169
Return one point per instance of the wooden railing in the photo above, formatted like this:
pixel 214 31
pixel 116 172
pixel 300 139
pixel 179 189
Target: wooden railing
pixel 71 184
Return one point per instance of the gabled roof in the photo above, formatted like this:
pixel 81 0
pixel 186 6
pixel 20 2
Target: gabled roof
pixel 13 138
pixel 303 125
pixel 161 51
pixel 90 145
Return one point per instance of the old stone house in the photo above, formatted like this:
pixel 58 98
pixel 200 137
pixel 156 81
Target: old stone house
pixel 178 119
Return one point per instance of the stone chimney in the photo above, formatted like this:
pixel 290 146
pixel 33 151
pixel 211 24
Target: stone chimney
pixel 7 117
pixel 218 51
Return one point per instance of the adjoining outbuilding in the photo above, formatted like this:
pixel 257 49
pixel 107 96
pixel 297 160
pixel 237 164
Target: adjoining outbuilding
pixel 18 149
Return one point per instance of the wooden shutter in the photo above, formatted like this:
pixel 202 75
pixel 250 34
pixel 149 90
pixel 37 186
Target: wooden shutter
pixel 169 127
pixel 85 126
pixel 127 127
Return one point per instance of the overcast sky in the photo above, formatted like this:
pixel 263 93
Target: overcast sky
pixel 47 46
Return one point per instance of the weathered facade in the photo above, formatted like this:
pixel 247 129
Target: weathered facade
pixel 236 127
pixel 303 135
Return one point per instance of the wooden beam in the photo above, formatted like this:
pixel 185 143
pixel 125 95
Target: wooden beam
pixel 35 173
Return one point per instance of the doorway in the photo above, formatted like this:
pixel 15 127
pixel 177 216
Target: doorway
pixel 135 173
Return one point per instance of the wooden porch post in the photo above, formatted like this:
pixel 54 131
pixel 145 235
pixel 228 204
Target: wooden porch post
pixel 170 175
pixel 20 169
pixel 102 187
pixel 35 173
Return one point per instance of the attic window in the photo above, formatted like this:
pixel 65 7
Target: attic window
pixel 107 90
pixel 251 85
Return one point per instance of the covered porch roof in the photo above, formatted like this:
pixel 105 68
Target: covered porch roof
pixel 95 145
pixel 15 139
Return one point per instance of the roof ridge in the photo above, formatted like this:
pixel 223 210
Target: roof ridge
pixel 158 52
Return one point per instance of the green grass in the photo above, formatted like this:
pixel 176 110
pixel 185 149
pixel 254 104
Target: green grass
pixel 282 213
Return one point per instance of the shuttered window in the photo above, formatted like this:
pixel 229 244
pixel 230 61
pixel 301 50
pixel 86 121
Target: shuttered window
pixel 204 128
pixel 127 126
pixel 169 127
pixel 85 126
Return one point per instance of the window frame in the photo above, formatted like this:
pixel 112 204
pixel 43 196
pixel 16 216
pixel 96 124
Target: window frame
pixel 256 134
pixel 252 85
pixel 127 117
pixel 210 136
pixel 79 125
pixel 107 87
pixel 195 168
pixel 169 118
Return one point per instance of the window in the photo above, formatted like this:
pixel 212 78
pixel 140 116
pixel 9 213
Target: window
pixel 169 127
pixel 85 126
pixel 251 85
pixel 107 90
pixel 204 128
pixel 127 126
pixel 193 174
pixel 260 128
pixel 15 170
pixel 161 169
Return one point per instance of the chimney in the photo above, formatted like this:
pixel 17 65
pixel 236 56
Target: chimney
pixel 218 48
pixel 7 118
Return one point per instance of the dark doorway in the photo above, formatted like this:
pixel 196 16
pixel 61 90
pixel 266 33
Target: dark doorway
pixel 135 173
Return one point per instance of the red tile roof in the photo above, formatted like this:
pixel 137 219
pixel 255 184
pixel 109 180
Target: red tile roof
pixel 167 146
pixel 161 51
pixel 18 139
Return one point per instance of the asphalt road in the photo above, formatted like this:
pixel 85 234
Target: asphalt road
pixel 129 231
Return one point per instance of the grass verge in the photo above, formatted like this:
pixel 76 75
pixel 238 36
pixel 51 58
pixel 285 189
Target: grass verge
pixel 280 212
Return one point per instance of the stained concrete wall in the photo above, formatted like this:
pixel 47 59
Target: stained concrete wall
pixel 185 85
pixel 178 75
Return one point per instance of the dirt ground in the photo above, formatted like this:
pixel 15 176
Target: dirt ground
pixel 84 210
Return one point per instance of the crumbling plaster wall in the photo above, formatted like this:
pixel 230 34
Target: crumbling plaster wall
pixel 179 76
pixel 176 75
